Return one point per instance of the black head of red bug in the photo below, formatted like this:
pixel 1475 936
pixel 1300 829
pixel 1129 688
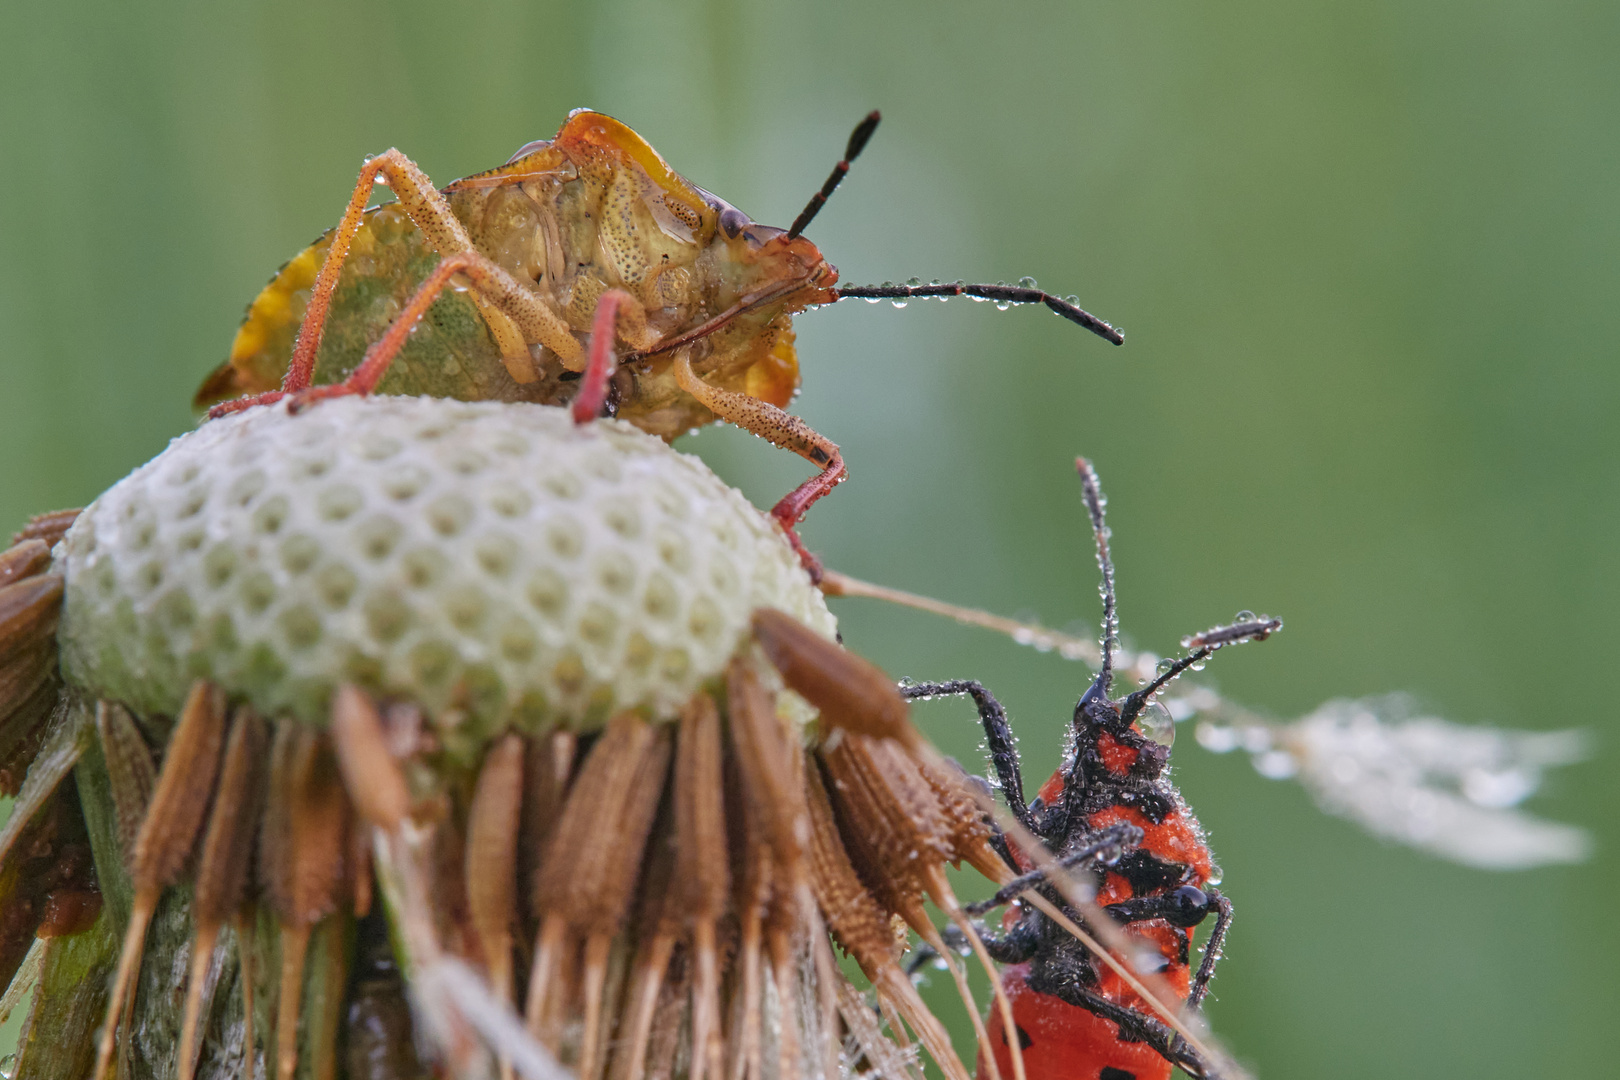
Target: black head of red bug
pixel 1115 822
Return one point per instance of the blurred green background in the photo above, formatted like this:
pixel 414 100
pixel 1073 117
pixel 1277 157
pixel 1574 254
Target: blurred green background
pixel 1368 255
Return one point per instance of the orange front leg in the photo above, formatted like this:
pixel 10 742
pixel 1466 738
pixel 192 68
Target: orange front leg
pixel 428 211
pixel 491 281
pixel 778 428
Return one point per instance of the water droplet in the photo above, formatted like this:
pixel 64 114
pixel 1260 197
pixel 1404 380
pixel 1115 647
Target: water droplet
pixel 912 282
pixel 1072 300
pixel 1243 616
pixel 1002 305
pixel 1198 665
pixel 1154 722
pixel 873 299
pixel 898 303
pixel 1163 666
pixel 1187 642
pixel 1028 283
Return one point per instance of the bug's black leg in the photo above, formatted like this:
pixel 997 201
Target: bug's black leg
pixel 1212 949
pixel 1144 1029
pixel 1184 907
pixel 924 956
pixel 1114 838
pixel 998 737
pixel 1015 945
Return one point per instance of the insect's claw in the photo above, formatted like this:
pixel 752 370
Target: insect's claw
pixel 226 408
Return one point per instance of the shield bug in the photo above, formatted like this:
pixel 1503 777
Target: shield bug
pixel 1109 813
pixel 584 270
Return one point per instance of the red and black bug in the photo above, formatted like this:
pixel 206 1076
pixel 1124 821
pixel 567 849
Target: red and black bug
pixel 1111 816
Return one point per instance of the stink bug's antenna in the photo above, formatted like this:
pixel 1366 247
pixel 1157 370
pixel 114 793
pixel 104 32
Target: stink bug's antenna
pixel 1003 294
pixel 857 143
pixel 1091 491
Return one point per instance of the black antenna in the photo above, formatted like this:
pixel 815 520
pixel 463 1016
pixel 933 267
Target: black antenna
pixel 857 143
pixel 1256 628
pixel 1000 293
pixel 1091 491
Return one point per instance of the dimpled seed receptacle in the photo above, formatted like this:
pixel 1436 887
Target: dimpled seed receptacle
pixel 494 563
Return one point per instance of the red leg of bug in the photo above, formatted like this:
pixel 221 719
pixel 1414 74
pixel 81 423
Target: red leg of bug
pixel 512 322
pixel 488 277
pixel 593 386
pixel 779 429
pixel 430 212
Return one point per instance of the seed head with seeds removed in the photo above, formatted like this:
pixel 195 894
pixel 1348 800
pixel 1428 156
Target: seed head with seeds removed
pixel 540 699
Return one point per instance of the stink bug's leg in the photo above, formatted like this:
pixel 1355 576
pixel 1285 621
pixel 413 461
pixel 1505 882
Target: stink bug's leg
pixel 997 735
pixel 1001 294
pixel 613 308
pixel 429 212
pixel 1212 949
pixel 781 429
pixel 857 143
pixel 527 311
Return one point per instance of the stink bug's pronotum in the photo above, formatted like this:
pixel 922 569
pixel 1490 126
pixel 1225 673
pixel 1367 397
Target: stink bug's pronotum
pixel 599 276
pixel 1111 812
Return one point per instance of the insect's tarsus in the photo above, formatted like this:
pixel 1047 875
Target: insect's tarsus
pixel 1002 294
pixel 857 143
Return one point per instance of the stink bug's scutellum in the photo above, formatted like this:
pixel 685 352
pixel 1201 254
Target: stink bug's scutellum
pixel 1109 812
pixel 599 277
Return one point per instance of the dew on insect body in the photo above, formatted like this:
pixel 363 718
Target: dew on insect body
pixel 1155 722
pixel 1028 283
pixel 1244 616
pixel 1002 305
pixel 1198 665
pixel 898 303
pixel 1164 667
pixel 912 283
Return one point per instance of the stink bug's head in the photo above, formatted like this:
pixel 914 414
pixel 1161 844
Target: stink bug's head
pixel 737 266
pixel 763 265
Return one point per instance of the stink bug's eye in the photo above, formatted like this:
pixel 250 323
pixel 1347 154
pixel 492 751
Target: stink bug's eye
pixel 1154 723
pixel 1191 905
pixel 733 221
